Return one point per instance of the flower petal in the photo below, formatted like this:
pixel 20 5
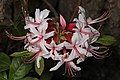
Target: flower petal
pixel 50 34
pixel 74 66
pixel 62 22
pixel 76 38
pixel 44 14
pixel 57 66
pixel 80 60
pixel 60 46
pixel 38 61
pixel 71 56
pixel 37 14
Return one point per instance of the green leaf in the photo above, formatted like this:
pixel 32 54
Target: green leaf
pixel 106 40
pixel 29 78
pixel 22 54
pixel 4 62
pixel 39 70
pixel 18 69
pixel 3 76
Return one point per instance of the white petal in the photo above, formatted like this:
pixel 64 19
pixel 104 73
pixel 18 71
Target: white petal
pixel 46 55
pixel 88 54
pixel 33 40
pixel 71 56
pixel 57 56
pixel 81 9
pixel 84 52
pixel 97 34
pixel 48 46
pixel 44 14
pixel 79 24
pixel 92 47
pixel 80 60
pixel 34 31
pixel 87 30
pixel 37 14
pixel 28 20
pixel 42 27
pixel 42 45
pixel 76 38
pixel 60 46
pixel 81 50
pixel 89 20
pixel 84 40
pixel 57 66
pixel 38 61
pixel 68 45
pixel 29 26
pixel 50 34
pixel 74 66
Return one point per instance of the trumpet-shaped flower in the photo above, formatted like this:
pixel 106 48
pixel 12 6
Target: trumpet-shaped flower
pixel 77 51
pixel 69 65
pixel 55 55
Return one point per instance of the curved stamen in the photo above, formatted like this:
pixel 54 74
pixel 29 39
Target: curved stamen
pixel 99 55
pixel 71 71
pixel 16 38
pixel 105 16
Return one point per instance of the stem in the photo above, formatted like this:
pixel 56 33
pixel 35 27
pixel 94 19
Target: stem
pixel 75 11
pixel 52 9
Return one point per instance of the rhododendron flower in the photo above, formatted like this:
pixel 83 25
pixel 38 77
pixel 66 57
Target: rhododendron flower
pixel 64 42
pixel 77 50
pixel 55 55
pixel 69 65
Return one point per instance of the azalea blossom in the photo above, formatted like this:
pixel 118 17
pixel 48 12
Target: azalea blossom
pixel 77 49
pixel 69 65
pixel 61 41
pixel 55 55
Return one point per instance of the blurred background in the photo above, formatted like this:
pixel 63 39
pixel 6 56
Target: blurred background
pixel 92 69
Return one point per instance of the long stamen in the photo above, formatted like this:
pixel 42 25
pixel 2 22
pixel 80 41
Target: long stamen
pixel 16 38
pixel 70 70
pixel 105 16
pixel 99 55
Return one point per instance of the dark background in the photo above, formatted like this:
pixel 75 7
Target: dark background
pixel 92 69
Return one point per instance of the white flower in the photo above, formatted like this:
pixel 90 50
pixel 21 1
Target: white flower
pixel 77 51
pixel 54 49
pixel 70 66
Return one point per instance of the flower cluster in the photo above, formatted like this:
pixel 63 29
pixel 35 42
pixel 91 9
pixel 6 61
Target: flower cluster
pixel 61 42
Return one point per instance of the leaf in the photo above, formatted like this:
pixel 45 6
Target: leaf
pixel 3 76
pixel 106 40
pixel 39 70
pixel 4 62
pixel 18 69
pixel 29 78
pixel 22 54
